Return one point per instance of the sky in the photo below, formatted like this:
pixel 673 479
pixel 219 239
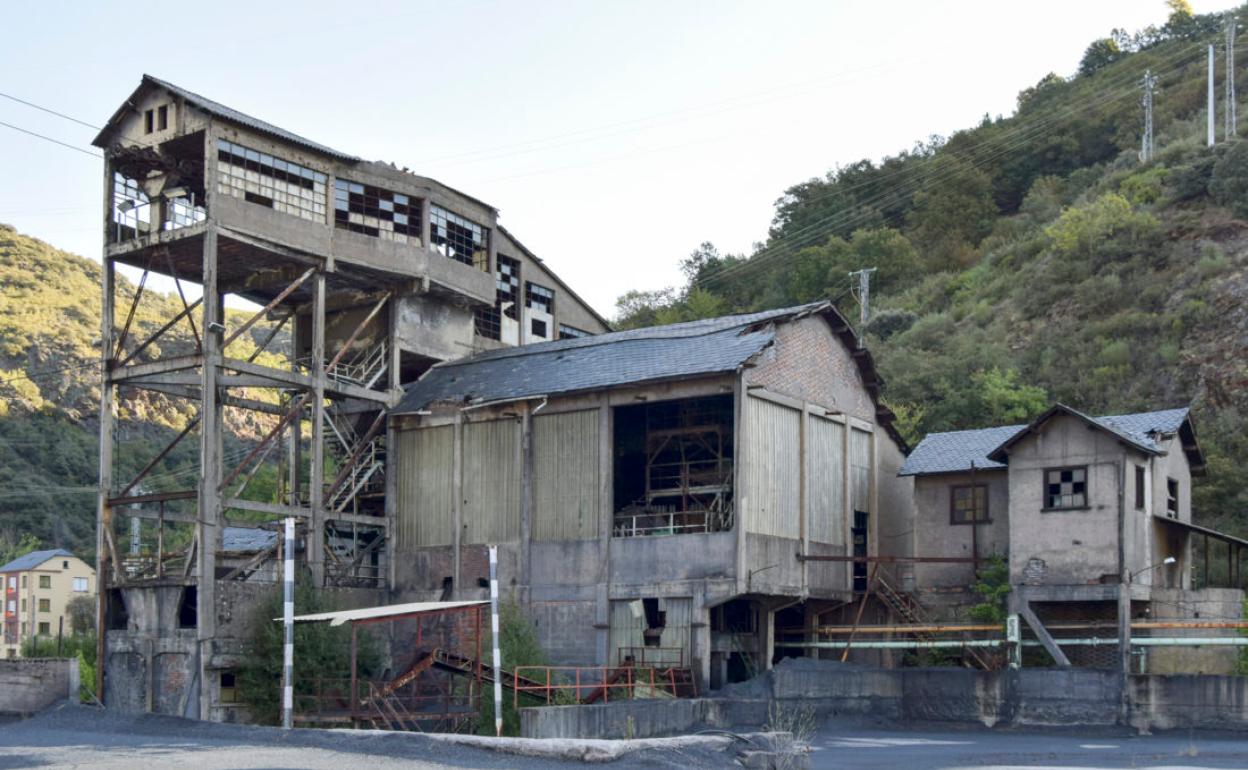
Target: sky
pixel 614 137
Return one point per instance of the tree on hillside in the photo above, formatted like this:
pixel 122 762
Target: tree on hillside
pixel 953 215
pixel 1099 54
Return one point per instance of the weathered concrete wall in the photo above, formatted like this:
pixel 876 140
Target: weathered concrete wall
pixel 28 685
pixel 940 537
pixel 1070 547
pixel 1207 604
pixel 1026 697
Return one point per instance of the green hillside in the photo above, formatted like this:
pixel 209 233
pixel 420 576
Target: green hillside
pixel 49 396
pixel 1035 258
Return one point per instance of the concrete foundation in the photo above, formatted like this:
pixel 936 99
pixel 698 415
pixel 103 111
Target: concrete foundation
pixel 1025 697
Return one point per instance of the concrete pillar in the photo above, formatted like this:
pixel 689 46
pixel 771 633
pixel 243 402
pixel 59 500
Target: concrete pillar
pixel 810 621
pixel 209 498
pixel 316 476
pixel 767 637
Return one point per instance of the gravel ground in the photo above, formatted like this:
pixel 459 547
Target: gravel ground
pixel 72 737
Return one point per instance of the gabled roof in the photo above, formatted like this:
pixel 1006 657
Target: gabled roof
pixel 987 448
pixel 216 109
pixel 957 451
pixel 33 559
pixel 618 359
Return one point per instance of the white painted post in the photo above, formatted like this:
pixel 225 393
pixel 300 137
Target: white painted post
pixel 1014 635
pixel 288 626
pixel 1210 137
pixel 498 665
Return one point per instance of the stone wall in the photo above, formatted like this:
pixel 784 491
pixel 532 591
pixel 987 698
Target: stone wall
pixel 28 685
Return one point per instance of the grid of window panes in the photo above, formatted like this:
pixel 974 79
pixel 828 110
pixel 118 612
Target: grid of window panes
pixel 265 180
pixel 458 238
pixel 1066 488
pixel 362 208
pixel 180 212
pixel 969 504
pixel 506 299
pixel 132 210
pixel 539 298
pixel 571 332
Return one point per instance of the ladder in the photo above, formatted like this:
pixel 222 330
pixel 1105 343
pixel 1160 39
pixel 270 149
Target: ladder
pixel 906 607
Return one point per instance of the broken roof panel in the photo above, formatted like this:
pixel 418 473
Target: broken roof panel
pixel 247 539
pixel 696 348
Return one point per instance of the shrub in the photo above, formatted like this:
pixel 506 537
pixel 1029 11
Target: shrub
pixel 1228 181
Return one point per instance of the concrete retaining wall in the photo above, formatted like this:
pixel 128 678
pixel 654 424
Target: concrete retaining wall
pixel 28 685
pixel 1031 697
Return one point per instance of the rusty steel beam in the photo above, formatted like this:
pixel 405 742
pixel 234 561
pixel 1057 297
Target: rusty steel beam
pixel 177 282
pixel 169 325
pixel 356 333
pixel 290 415
pixel 190 425
pixel 272 304
pixel 272 333
pixel 360 446
pixel 134 306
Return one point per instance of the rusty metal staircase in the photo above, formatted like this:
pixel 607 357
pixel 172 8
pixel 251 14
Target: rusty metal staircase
pixel 907 608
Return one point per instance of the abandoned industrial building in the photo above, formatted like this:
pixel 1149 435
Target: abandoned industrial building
pixel 700 499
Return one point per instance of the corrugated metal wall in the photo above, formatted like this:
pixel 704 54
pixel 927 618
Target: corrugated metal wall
pixel 425 515
pixel 628 622
pixel 492 472
pixel 565 476
pixel 860 470
pixel 772 471
pixel 826 505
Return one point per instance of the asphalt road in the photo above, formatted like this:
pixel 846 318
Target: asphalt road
pixel 866 749
pixel 87 738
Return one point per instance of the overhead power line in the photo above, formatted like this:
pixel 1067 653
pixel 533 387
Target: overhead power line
pixel 41 108
pixel 37 135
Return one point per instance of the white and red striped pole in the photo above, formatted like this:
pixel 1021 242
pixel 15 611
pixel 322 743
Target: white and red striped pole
pixel 498 666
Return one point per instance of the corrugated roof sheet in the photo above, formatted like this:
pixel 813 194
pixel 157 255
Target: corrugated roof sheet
pixel 242 539
pixel 33 559
pixel 690 349
pixel 953 452
pixel 388 611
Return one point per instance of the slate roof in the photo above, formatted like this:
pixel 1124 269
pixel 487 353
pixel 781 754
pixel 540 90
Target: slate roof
pixel 710 346
pixel 33 559
pixel 246 539
pixel 221 111
pixel 953 452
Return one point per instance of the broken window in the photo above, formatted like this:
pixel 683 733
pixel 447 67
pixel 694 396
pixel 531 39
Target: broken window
pixel 362 208
pixel 656 621
pixel 116 612
pixel 539 304
pixel 968 504
pixel 148 121
pixel 460 239
pixel 1172 498
pixel 571 332
pixel 1066 488
pixel 188 608
pixel 162 117
pixel 501 322
pixel 228 687
pixel 673 467
pixel 132 209
pixel 268 181
pixel 1139 487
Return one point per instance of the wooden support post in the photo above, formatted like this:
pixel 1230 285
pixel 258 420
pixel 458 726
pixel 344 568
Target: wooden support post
pixel 209 499
pixel 316 522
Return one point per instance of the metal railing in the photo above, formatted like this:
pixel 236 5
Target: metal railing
pixel 413 706
pixel 662 657
pixel 586 684
pixel 657 522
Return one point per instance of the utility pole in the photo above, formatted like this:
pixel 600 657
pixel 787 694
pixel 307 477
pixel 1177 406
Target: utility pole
pixel 864 300
pixel 1146 147
pixel 1211 138
pixel 1228 109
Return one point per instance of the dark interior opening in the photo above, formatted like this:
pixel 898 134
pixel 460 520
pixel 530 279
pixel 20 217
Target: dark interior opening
pixel 188 608
pixel 116 612
pixel 412 366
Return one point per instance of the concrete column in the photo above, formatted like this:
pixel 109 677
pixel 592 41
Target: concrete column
pixel 104 514
pixel 316 475
pixel 457 501
pixel 767 637
pixel 392 467
pixel 700 640
pixel 811 623
pixel 208 525
pixel 526 493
